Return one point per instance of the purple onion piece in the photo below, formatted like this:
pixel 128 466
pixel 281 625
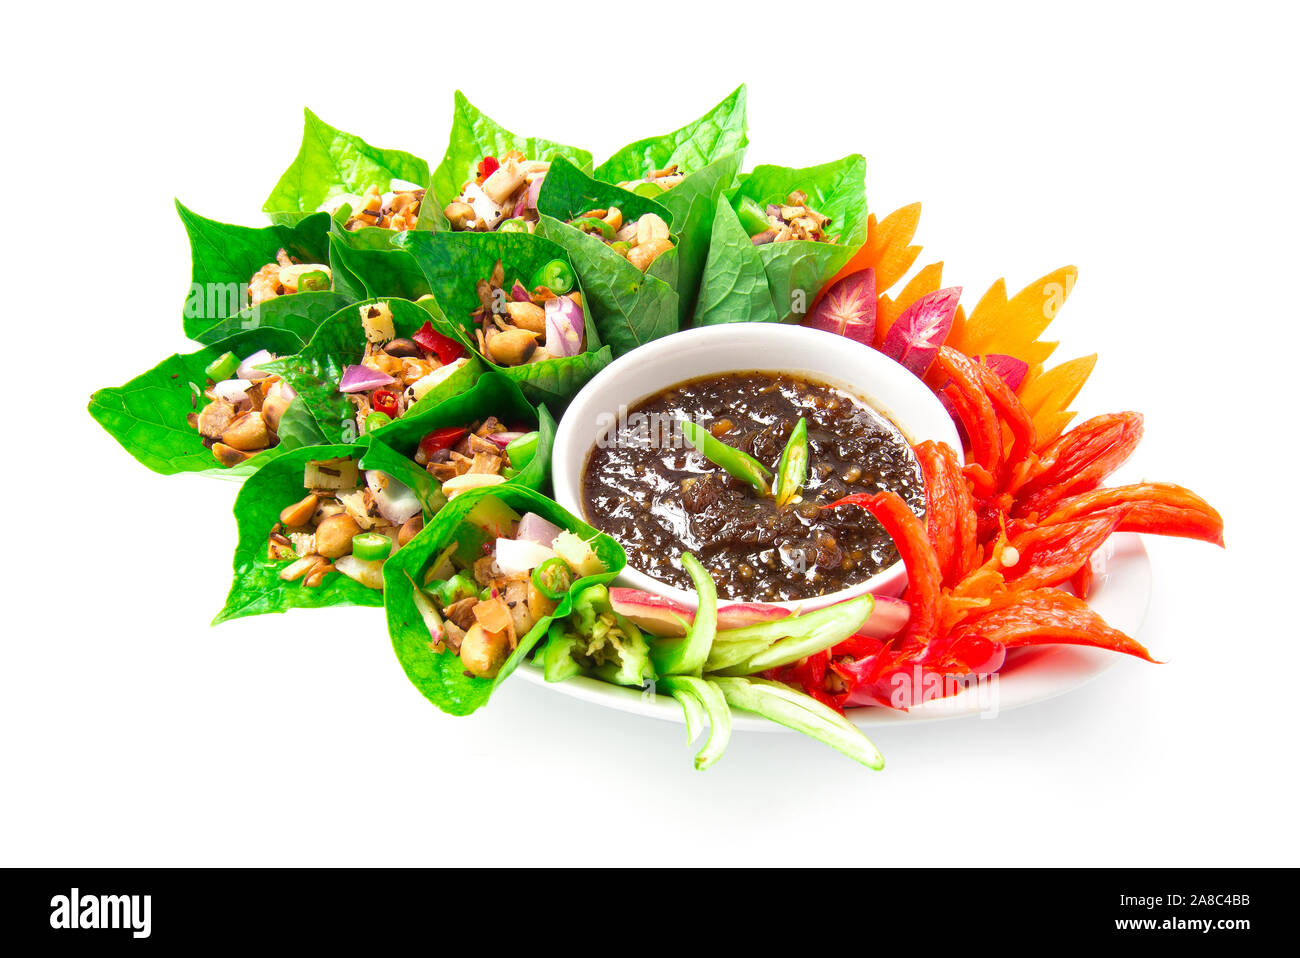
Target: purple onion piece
pixel 357 379
pixel 564 327
pixel 534 528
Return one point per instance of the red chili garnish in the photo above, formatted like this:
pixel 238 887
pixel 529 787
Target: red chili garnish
pixel 923 576
pixel 443 438
pixel 384 401
pixel 445 348
pixel 967 394
pixel 486 167
pixel 1079 461
pixel 1161 508
pixel 1048 617
pixel 1050 555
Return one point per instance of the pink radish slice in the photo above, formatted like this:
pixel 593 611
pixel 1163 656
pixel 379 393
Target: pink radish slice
pixel 848 308
pixel 916 336
pixel 653 613
pixel 887 618
pixel 1009 368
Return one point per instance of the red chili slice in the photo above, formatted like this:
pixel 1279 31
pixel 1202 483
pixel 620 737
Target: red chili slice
pixel 1051 554
pixel 924 578
pixel 443 438
pixel 1013 413
pixel 1048 617
pixel 940 505
pixel 1079 461
pixel 974 408
pixel 384 401
pixel 1162 508
pixel 445 348
pixel 486 167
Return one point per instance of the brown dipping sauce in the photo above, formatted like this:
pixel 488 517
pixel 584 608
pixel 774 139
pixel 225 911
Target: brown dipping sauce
pixel 644 485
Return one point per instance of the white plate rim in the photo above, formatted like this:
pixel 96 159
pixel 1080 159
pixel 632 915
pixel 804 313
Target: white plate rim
pixel 1121 594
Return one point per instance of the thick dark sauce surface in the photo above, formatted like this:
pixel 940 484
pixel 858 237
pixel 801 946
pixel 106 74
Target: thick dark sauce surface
pixel 645 486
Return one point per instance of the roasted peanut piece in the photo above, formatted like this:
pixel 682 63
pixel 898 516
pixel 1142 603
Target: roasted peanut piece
pixel 229 456
pixel 247 433
pixel 482 652
pixel 512 347
pixel 334 536
pixel 527 316
pixel 300 513
pixel 643 254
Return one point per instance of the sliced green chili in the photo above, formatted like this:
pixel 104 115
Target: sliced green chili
pixel 802 713
pixel 521 451
pixel 368 546
pixel 315 281
pixel 552 579
pixel 752 217
pixel 516 224
pixel 686 656
pixel 594 226
pixel 377 420
pixel 223 367
pixel 648 189
pixel 557 276
pixel 698 695
pixel 736 463
pixel 792 470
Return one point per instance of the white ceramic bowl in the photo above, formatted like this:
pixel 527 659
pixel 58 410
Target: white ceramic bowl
pixel 745 347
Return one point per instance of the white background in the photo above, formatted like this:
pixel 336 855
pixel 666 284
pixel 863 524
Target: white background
pixel 1151 145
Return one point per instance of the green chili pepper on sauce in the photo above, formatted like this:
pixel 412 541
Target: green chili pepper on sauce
pixel 734 462
pixel 792 469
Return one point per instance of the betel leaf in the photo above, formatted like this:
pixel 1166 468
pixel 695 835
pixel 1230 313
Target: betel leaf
pixel 315 371
pixel 474 135
pixel 333 165
pixel 556 381
pixel 492 395
pixel 629 307
pixel 147 416
pixel 439 675
pixel 300 314
pixel 793 271
pixel 225 257
pixel 720 131
pixel 453 263
pixel 836 189
pixel 693 202
pixel 256 587
pixel 734 288
pixel 367 273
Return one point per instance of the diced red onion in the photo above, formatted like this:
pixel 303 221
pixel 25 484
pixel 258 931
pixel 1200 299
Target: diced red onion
pixel 564 327
pixel 519 293
pixel 359 379
pixel 396 502
pixel 517 556
pixel 534 528
pixel 504 439
pixel 248 368
pixel 534 191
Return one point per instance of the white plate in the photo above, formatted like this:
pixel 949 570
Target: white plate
pixel 1121 594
